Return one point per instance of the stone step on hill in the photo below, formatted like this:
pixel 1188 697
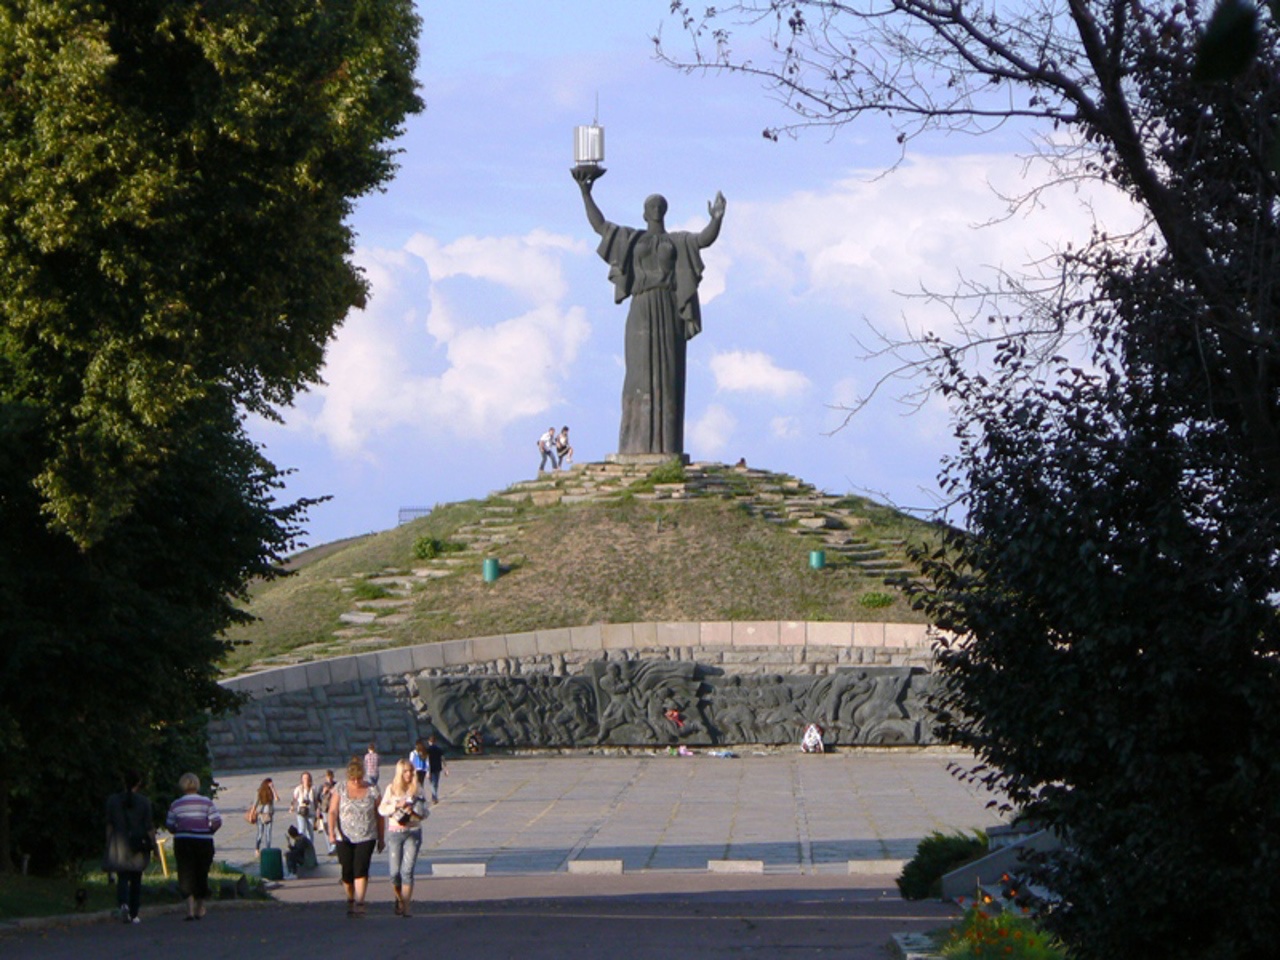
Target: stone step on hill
pixel 786 501
pixel 829 523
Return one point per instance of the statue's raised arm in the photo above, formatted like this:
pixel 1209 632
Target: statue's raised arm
pixel 712 230
pixel 586 176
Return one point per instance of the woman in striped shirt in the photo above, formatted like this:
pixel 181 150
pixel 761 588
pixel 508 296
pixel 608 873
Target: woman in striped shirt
pixel 193 820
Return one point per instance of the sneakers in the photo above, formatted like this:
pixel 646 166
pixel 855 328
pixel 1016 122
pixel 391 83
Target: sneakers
pixel 123 912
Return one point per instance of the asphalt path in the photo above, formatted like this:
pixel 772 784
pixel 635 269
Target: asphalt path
pixel 564 917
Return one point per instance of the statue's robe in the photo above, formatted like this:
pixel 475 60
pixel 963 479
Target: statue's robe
pixel 660 273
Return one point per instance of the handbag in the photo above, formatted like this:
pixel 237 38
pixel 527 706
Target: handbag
pixel 251 815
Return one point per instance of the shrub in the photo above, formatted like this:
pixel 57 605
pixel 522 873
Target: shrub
pixel 670 472
pixel 875 600
pixel 428 548
pixel 1004 935
pixel 938 854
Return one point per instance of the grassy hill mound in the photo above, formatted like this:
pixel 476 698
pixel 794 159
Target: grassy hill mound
pixel 597 544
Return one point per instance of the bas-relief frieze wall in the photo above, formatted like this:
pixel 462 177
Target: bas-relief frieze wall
pixel 746 683
pixel 662 702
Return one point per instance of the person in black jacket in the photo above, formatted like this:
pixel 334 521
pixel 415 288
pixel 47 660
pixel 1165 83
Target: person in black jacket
pixel 131 836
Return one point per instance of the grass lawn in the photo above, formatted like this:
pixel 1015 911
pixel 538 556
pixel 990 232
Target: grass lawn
pixel 53 896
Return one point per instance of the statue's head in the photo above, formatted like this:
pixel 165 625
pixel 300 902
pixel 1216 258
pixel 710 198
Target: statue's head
pixel 655 208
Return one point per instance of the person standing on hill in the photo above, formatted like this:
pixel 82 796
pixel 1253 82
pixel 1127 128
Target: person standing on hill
pixel 564 452
pixel 547 447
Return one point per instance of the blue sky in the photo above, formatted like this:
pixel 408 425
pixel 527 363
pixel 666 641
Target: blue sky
pixel 491 316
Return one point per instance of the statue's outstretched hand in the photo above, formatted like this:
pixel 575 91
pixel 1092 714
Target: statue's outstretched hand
pixel 587 175
pixel 716 206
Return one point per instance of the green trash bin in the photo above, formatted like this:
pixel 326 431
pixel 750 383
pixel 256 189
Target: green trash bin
pixel 490 569
pixel 817 559
pixel 271 864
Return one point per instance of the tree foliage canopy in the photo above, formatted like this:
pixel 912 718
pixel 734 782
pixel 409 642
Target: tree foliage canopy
pixel 175 180
pixel 1113 596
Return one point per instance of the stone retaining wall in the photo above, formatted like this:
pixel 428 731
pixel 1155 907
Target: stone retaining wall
pixel 321 713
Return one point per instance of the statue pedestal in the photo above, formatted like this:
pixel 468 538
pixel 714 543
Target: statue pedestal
pixel 646 459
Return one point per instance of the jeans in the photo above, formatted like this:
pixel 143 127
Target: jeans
pixel 129 890
pixel 324 832
pixel 306 826
pixel 264 834
pixel 402 855
pixel 435 785
pixel 547 455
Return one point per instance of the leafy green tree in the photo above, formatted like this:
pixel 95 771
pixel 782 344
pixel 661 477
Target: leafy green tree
pixel 175 179
pixel 108 654
pixel 1113 597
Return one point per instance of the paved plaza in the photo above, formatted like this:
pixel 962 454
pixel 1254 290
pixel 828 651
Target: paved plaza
pixel 792 812
pixel 803 820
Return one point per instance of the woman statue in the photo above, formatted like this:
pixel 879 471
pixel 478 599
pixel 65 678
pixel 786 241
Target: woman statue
pixel 660 272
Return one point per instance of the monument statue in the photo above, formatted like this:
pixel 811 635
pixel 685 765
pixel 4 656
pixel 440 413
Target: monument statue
pixel 660 272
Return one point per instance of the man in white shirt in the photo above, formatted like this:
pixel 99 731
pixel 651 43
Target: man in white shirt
pixel 547 447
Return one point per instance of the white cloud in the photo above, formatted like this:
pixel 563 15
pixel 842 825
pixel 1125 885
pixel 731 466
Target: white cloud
pixel 865 240
pixel 785 428
pixel 528 265
pixel 753 371
pixel 710 434
pixel 468 367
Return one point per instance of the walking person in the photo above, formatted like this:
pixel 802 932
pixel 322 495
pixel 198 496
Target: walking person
pixel 193 820
pixel 372 761
pixel 265 805
pixel 322 809
pixel 305 806
pixel 418 759
pixel 547 447
pixel 405 807
pixel 131 836
pixel 435 766
pixel 355 826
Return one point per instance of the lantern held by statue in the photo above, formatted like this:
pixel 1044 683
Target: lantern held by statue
pixel 588 145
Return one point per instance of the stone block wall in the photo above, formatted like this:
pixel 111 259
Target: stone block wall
pixel 322 713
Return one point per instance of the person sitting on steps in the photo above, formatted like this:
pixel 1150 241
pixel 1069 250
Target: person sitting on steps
pixel 300 856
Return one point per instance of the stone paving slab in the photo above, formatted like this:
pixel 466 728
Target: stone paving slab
pixel 795 813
